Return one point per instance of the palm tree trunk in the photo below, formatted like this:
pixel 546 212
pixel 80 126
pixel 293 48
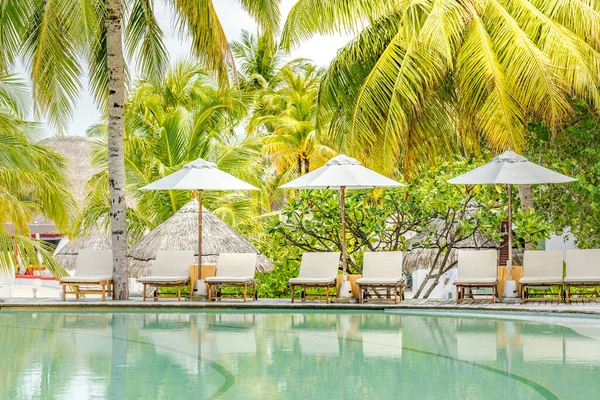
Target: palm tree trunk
pixel 299 166
pixel 306 165
pixel 527 204
pixel 116 161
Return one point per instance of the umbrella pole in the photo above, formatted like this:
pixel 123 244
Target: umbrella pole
pixel 510 255
pixel 199 198
pixel 343 206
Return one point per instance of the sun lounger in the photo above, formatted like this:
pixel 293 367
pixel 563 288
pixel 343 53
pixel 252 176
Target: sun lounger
pixel 171 268
pixel 476 269
pixel 317 270
pixel 541 269
pixel 93 268
pixel 381 270
pixel 234 269
pixel 583 270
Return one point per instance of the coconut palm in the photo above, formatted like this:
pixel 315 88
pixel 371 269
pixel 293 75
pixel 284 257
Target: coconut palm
pixel 286 115
pixel 56 39
pixel 33 181
pixel 169 123
pixel 431 74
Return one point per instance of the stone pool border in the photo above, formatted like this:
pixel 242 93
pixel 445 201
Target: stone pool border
pixel 581 308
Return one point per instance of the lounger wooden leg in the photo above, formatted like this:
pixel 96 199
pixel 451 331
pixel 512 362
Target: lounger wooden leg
pixel 209 286
pixel 77 292
pixel 254 294
pixel 64 294
pixel 245 289
pixel 144 292
pixel 292 293
pixel 568 294
pixel 559 293
pixel 156 294
pixel 179 293
pixel 327 294
pixel 103 292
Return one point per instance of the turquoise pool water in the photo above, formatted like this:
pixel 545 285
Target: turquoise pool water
pixel 295 355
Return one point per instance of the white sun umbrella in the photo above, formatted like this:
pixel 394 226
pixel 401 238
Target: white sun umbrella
pixel 198 176
pixel 510 168
pixel 341 173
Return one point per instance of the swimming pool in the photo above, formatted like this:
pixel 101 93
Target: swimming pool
pixel 277 355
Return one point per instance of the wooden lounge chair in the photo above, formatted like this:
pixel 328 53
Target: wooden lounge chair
pixel 541 269
pixel 234 269
pixel 93 268
pixel 171 268
pixel 476 269
pixel 583 270
pixel 381 270
pixel 317 270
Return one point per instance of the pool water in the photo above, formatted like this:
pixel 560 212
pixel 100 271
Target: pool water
pixel 295 355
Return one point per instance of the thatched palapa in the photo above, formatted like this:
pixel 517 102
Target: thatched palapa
pixel 419 257
pixel 180 232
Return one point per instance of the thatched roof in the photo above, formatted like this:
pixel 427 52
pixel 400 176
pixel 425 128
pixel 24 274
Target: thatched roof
pixel 78 151
pixel 180 232
pixel 419 257
pixel 67 256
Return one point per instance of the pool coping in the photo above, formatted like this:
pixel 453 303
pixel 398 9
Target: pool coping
pixel 590 308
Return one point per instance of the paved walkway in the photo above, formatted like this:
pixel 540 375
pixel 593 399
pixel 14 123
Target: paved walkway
pixel 580 307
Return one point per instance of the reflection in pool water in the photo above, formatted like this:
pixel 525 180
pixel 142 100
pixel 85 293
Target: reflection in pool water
pixel 265 355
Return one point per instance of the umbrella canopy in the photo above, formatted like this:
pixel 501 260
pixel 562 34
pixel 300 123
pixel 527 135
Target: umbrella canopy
pixel 510 168
pixel 180 233
pixel 341 172
pixel 199 175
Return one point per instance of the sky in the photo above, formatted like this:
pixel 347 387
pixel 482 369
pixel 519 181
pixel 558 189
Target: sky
pixel 320 50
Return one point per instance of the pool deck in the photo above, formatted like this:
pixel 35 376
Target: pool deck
pixel 590 307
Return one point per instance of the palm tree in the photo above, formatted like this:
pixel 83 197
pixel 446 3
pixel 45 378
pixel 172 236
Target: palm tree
pixel 286 117
pixel 33 181
pixel 169 123
pixel 56 39
pixel 429 75
pixel 258 58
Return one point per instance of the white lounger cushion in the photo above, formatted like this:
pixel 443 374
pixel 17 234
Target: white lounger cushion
pixel 383 267
pixel 92 266
pixel 235 267
pixel 170 266
pixel 317 268
pixel 478 266
pixel 583 266
pixel 541 267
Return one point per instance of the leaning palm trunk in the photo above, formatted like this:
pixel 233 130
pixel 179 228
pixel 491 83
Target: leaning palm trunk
pixel 116 162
